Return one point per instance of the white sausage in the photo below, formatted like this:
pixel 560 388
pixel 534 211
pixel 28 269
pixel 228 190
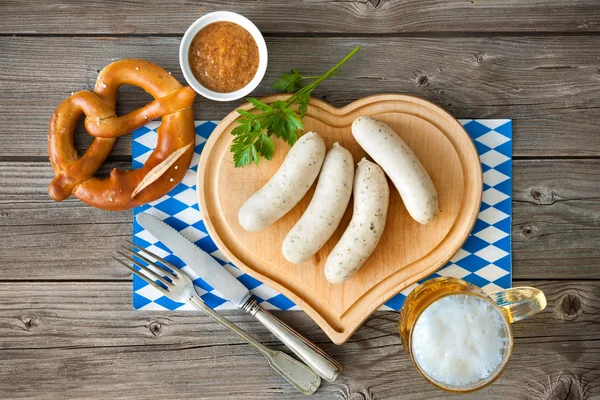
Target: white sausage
pixel 326 209
pixel 401 164
pixel 371 200
pixel 287 187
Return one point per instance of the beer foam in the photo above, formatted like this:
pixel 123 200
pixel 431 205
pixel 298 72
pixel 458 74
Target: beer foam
pixel 460 340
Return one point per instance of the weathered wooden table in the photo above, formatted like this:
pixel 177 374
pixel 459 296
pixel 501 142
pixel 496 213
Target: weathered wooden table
pixel 67 329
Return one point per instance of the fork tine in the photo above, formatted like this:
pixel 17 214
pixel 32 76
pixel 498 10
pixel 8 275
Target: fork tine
pixel 157 258
pixel 151 264
pixel 144 277
pixel 147 270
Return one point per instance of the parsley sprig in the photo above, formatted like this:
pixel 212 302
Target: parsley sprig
pixel 252 137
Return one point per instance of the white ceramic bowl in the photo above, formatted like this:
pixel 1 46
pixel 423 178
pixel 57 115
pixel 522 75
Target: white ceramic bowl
pixel 200 23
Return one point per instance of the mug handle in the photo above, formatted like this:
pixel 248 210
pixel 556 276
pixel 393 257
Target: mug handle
pixel 520 302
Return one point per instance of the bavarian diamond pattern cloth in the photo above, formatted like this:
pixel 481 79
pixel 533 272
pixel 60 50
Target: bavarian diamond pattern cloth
pixel 484 260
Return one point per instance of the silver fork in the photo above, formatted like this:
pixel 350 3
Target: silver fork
pixel 179 287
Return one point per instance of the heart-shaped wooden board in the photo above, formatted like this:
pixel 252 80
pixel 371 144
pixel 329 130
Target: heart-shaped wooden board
pixel 407 252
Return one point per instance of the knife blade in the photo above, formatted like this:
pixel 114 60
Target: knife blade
pixel 197 259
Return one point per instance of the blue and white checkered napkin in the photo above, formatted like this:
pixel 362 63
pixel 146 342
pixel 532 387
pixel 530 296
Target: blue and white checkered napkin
pixel 484 260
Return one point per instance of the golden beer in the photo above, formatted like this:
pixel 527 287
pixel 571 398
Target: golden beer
pixel 459 338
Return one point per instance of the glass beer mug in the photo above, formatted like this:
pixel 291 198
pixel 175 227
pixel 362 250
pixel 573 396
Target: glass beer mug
pixel 459 337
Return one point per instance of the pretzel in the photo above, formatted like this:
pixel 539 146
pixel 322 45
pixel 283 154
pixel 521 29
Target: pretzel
pixel 165 167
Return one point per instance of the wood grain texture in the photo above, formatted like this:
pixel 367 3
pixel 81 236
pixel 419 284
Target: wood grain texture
pixel 548 85
pixel 535 61
pixel 556 229
pixel 302 16
pixel 399 260
pixel 84 341
pixel 553 196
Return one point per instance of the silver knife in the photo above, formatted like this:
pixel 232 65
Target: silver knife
pixel 219 278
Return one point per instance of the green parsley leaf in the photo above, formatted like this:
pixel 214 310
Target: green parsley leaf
pixel 303 101
pixel 288 82
pixel 244 156
pixel 265 146
pixel 259 105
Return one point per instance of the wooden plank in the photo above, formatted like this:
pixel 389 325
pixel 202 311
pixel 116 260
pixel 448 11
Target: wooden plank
pixel 549 85
pixel 31 313
pixel 280 16
pixel 556 216
pixel 68 340
pixel 538 371
pixel 555 228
